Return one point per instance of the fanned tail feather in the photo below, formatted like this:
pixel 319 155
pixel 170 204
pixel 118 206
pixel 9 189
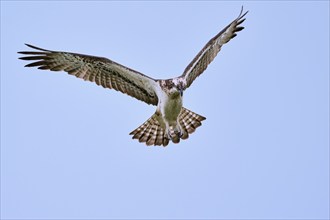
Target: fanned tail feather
pixel 189 121
pixel 151 133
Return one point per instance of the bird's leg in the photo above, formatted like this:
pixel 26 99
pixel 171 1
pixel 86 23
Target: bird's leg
pixel 180 130
pixel 175 131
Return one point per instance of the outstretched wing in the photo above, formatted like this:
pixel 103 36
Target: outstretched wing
pixel 102 71
pixel 210 51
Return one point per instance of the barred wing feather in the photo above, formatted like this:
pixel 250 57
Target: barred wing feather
pixel 102 71
pixel 210 50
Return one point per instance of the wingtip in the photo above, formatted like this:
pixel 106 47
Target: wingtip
pixel 36 48
pixel 241 15
pixel 242 8
pixel 22 52
pixel 29 45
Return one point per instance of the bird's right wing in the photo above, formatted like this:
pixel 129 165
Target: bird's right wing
pixel 210 51
pixel 102 71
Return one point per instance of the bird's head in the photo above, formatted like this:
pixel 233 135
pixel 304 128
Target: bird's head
pixel 173 87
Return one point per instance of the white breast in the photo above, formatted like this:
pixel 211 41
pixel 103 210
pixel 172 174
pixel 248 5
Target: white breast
pixel 169 107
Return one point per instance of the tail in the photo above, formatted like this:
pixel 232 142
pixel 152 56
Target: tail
pixel 152 133
pixel 189 121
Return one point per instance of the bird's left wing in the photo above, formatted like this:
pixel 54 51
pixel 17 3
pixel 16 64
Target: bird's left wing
pixel 102 71
pixel 210 51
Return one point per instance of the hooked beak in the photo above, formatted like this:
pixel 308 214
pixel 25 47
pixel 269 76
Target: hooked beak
pixel 181 91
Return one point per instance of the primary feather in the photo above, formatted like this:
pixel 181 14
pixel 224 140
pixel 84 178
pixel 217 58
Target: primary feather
pixel 171 120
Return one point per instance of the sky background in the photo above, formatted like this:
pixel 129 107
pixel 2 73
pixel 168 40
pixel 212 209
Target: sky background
pixel 262 153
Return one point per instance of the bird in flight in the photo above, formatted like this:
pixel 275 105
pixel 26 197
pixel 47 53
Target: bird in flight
pixel 171 121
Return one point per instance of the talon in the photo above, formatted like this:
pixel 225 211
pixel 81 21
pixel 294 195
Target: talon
pixel 180 131
pixel 169 135
pixel 181 134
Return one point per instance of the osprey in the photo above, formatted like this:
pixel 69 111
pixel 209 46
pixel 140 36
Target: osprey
pixel 171 121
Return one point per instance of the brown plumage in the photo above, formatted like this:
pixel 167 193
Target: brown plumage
pixel 211 49
pixel 102 71
pixel 171 122
pixel 152 133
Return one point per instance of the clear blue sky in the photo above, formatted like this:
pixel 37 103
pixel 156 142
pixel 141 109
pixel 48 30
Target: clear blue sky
pixel 263 151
